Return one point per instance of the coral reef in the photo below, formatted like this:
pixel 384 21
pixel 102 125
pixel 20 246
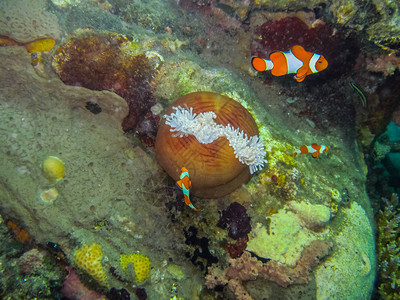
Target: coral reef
pixel 141 265
pixel 141 293
pixel 352 253
pixel 385 31
pixel 314 215
pixel 202 251
pixel 105 62
pixel 20 234
pixel 24 22
pixel 220 154
pixel 386 98
pixel 339 49
pixel 247 268
pixel 89 259
pixel 384 63
pixel 74 289
pixel 388 232
pixel 235 218
pixel 117 196
pixel 121 294
pixel 283 239
pixel 27 273
pixel 396 116
pixel 31 261
pixel 236 249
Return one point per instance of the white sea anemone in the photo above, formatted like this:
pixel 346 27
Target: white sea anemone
pixel 248 150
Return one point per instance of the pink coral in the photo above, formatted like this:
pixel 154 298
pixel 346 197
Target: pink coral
pixel 74 289
pixel 247 268
pixel 385 64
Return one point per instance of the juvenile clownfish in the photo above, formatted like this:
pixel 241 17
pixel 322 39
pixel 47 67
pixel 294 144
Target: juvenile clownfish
pixel 297 60
pixel 185 183
pixel 314 149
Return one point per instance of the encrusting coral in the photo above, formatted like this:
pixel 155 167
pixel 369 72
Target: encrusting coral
pixel 141 265
pixel 89 258
pixel 388 233
pixel 215 138
pixel 247 268
pixel 236 220
pixel 105 62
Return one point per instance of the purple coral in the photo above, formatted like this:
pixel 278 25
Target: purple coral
pixel 236 220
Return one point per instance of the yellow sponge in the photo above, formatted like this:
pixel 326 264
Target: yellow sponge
pixel 89 258
pixel 141 265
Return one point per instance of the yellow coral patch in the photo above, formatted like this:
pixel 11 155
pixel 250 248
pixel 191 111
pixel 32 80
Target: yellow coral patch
pixel 89 258
pixel 141 265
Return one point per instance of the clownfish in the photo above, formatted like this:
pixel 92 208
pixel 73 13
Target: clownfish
pixel 314 149
pixel 185 183
pixel 297 60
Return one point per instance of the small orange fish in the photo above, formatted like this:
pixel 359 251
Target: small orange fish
pixel 314 149
pixel 185 183
pixel 297 60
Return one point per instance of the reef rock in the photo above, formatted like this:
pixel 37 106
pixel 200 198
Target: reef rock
pixel 25 21
pixel 104 173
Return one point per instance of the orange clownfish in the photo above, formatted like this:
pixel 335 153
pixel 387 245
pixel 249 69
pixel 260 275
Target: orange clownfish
pixel 297 60
pixel 314 149
pixel 185 183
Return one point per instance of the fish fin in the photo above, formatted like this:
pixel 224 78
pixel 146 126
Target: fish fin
pixel 187 200
pixel 299 79
pixel 258 64
pixel 179 182
pixel 315 154
pixel 302 54
pixel 316 146
pixel 301 73
pixel 299 51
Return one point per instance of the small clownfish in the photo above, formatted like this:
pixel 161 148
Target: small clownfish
pixel 185 183
pixel 297 60
pixel 314 149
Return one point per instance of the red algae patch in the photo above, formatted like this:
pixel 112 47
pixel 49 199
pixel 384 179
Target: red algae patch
pixel 100 61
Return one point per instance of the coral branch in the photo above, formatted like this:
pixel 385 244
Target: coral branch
pixel 247 268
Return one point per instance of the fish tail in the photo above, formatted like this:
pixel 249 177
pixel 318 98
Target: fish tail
pixel 189 203
pixel 261 64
